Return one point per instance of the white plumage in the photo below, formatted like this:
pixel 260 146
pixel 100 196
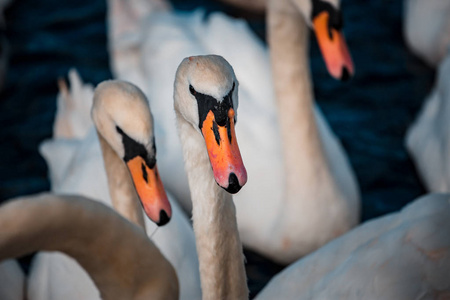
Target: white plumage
pixel 76 167
pixel 428 138
pixel 403 255
pixel 147 50
pixel 12 281
pixel 426 27
pixel 76 226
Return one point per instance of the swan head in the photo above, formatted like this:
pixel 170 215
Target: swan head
pixel 122 117
pixel 206 96
pixel 324 17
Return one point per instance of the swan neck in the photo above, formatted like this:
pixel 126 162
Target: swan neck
pixel 102 242
pixel 288 40
pixel 219 247
pixel 124 197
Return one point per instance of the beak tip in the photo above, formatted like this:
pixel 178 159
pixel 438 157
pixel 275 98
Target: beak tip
pixel 163 218
pixel 346 74
pixel 233 184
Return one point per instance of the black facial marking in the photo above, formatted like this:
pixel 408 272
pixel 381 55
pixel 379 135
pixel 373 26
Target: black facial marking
pixel 192 90
pixel 144 173
pixel 335 20
pixel 133 149
pixel 154 146
pixel 215 129
pixel 229 130
pixel 208 103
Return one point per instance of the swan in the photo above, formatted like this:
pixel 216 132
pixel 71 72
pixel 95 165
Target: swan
pixel 125 130
pixel 104 243
pixel 426 29
pixel 205 102
pixel 428 138
pixel 403 255
pixel 299 211
pixel 319 199
pixel 12 280
pixel 76 166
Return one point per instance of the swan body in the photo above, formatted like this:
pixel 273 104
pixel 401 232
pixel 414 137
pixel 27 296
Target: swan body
pixel 426 28
pixel 76 166
pixel 404 255
pixel 12 281
pixel 292 226
pixel 76 226
pixel 428 138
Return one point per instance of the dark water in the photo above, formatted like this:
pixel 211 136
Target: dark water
pixel 370 113
pixel 46 39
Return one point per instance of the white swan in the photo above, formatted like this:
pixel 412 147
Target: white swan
pixel 319 199
pixel 279 218
pixel 403 255
pixel 76 166
pixel 205 101
pixel 426 28
pixel 125 130
pixel 428 138
pixel 104 243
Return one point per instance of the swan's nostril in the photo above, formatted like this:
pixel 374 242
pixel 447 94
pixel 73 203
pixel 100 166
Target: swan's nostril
pixel 163 218
pixel 345 74
pixel 233 184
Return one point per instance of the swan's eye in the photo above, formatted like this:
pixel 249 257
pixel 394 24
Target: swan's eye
pixel 192 90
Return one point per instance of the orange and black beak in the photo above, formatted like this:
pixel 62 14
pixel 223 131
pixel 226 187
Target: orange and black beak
pixel 228 168
pixel 333 47
pixel 150 190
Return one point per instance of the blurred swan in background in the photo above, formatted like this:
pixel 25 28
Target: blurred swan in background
pixel 320 197
pixel 288 208
pixel 426 27
pixel 404 255
pixel 12 280
pixel 76 166
pixel 104 243
pixel 427 32
pixel 428 138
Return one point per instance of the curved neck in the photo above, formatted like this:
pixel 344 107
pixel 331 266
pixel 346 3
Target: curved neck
pixel 288 39
pixel 103 243
pixel 121 188
pixel 219 247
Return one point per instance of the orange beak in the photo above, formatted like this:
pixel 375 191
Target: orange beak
pixel 334 49
pixel 228 168
pixel 150 190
